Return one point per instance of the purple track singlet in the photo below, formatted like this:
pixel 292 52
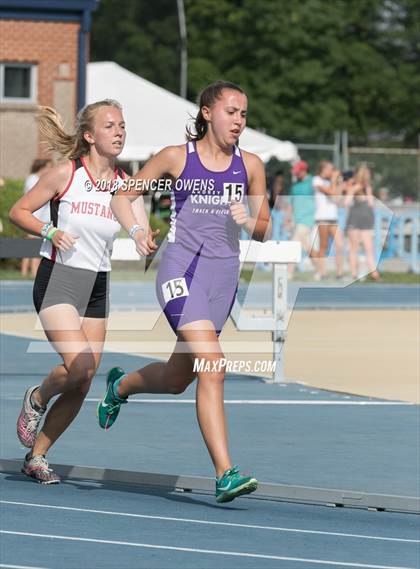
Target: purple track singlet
pixel 200 216
pixel 199 271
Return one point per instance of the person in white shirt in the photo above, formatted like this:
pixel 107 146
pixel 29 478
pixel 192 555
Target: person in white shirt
pixel 327 190
pixel 71 288
pixel 38 168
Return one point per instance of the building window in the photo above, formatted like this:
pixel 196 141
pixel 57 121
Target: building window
pixel 18 82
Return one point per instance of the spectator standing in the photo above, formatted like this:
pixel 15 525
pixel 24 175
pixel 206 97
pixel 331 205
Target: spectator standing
pixel 281 211
pixel 360 221
pixel 303 207
pixel 327 191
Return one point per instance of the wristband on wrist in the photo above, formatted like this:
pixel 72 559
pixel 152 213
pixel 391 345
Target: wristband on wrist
pixel 134 230
pixel 45 229
pixel 51 233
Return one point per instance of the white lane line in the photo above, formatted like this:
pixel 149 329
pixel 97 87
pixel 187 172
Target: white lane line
pixel 204 551
pixel 266 402
pixel 19 566
pixel 207 522
pixel 257 402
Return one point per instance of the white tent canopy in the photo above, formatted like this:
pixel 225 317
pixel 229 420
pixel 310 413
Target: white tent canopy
pixel 157 118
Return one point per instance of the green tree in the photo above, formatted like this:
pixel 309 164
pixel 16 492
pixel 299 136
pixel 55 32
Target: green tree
pixel 309 66
pixel 314 66
pixel 141 36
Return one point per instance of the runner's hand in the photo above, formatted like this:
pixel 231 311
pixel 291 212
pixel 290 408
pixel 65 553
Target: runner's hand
pixel 145 244
pixel 239 213
pixel 63 241
pixel 151 240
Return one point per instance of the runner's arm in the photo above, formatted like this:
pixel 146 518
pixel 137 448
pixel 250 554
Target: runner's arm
pixel 258 222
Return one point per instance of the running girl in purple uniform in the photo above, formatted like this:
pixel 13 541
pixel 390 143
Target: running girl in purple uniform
pixel 71 289
pixel 215 185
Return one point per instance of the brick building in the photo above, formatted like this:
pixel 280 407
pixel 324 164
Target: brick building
pixel 43 54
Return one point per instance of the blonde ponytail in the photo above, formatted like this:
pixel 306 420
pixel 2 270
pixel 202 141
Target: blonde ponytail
pixel 56 139
pixel 363 175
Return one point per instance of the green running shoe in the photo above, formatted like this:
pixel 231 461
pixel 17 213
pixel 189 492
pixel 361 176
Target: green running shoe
pixel 232 484
pixel 109 407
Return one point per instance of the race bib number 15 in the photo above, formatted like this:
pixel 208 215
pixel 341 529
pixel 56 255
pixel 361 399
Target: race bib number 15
pixel 233 192
pixel 175 288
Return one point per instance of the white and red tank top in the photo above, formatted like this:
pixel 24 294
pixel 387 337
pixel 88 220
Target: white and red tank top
pixel 83 209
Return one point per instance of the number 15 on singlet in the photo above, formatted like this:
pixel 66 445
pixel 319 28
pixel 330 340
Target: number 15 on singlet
pixel 233 192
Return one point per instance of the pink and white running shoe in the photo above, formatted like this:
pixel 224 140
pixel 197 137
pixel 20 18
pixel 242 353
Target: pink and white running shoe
pixel 37 467
pixel 28 420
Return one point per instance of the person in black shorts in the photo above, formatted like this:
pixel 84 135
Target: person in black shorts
pixel 360 221
pixel 71 287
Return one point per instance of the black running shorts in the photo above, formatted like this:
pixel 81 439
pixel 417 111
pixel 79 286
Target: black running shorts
pixel 86 290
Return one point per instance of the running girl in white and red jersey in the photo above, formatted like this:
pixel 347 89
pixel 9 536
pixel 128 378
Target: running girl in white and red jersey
pixel 71 287
pixel 199 271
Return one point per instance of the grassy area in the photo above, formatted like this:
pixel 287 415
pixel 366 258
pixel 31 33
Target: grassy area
pixel 261 277
pixel 123 275
pixel 116 275
pixel 307 277
pixel 400 278
pixel 13 275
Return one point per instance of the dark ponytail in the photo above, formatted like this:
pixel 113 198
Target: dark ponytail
pixel 207 98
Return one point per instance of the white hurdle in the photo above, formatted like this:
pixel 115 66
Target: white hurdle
pixel 280 254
